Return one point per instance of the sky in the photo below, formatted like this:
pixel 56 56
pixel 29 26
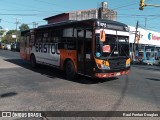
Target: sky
pixel 29 11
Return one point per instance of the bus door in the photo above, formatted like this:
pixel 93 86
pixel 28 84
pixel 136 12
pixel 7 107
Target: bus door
pixel 22 47
pixel 84 38
pixel 25 46
pixel 27 50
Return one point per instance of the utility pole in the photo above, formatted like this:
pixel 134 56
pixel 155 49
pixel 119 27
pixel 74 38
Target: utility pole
pixel 134 44
pixel 35 24
pixel 137 24
pixel 17 22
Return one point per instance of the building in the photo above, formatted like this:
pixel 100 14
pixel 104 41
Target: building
pixel 145 45
pixel 145 36
pixel 102 12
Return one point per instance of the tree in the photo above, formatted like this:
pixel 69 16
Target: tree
pixel 11 34
pixel 24 27
pixel 2 32
pixel 8 37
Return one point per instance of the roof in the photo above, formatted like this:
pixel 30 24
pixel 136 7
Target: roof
pixel 55 16
pixel 68 13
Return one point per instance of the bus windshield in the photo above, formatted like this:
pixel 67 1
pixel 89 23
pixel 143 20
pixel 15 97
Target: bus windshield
pixel 113 46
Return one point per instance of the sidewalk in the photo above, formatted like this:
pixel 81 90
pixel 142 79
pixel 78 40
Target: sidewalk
pixel 5 64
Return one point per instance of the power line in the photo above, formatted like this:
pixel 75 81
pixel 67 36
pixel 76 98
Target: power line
pixel 139 15
pixel 45 2
pixel 19 14
pixel 149 27
pixel 28 10
pixel 7 21
pixel 124 6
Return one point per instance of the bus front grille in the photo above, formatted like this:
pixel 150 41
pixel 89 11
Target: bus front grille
pixel 117 64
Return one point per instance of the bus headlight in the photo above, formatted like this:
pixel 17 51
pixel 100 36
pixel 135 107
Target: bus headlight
pixel 128 65
pixel 128 61
pixel 102 66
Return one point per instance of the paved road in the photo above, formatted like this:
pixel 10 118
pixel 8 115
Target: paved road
pixel 47 89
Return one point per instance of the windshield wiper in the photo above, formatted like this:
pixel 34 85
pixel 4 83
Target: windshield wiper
pixel 124 51
pixel 111 53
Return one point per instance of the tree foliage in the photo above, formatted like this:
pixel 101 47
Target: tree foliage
pixel 2 32
pixel 8 37
pixel 23 27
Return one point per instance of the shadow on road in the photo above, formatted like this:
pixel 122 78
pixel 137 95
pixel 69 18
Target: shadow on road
pixel 10 94
pixel 56 73
pixel 153 79
pixel 120 100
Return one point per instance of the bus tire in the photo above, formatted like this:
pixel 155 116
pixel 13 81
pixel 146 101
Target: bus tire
pixel 70 70
pixel 33 61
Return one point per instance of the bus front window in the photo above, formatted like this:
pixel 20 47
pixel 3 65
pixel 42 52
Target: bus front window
pixel 113 46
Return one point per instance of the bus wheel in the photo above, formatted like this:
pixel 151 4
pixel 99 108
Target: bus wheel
pixel 33 61
pixel 70 70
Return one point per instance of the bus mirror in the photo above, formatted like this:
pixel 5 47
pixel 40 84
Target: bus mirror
pixel 102 36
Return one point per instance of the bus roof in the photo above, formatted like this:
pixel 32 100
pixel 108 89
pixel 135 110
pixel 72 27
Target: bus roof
pixel 75 22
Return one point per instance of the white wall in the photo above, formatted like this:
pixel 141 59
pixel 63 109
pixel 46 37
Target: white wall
pixel 146 36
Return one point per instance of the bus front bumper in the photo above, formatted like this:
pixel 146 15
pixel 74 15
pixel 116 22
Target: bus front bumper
pixel 112 74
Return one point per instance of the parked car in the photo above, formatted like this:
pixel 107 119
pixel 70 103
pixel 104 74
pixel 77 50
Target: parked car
pixel 2 45
pixel 7 46
pixel 15 47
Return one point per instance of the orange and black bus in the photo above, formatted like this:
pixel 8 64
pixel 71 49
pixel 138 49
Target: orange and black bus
pixel 96 47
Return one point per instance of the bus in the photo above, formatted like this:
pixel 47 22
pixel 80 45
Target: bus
pixel 95 48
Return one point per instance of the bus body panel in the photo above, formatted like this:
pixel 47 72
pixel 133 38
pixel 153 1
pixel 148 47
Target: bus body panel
pixel 23 54
pixel 46 54
pixel 68 55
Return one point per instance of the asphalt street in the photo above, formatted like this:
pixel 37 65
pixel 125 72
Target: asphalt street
pixel 47 89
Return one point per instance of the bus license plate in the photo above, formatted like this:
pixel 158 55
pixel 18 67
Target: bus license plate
pixel 118 74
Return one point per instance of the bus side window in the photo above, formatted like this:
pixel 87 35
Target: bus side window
pixel 88 41
pixel 52 37
pixel 25 40
pixel 88 46
pixel 55 36
pixel 28 40
pixel 80 38
pixel 68 39
pixel 45 37
pixel 38 37
pixel 80 33
pixel 49 37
